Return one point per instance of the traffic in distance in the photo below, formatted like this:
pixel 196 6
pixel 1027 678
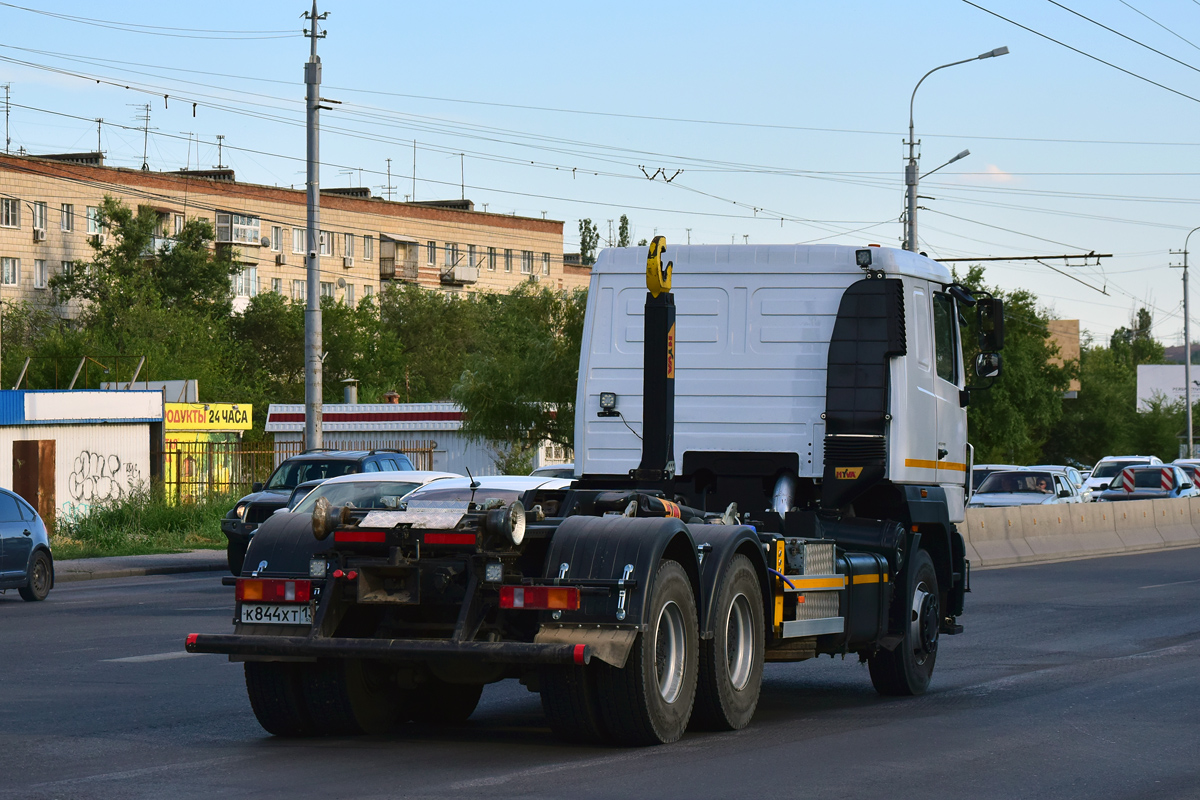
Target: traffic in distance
pixel 1112 479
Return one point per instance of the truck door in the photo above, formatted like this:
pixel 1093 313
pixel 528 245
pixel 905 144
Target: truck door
pixel 920 429
pixel 951 416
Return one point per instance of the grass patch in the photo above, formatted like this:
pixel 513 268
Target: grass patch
pixel 141 524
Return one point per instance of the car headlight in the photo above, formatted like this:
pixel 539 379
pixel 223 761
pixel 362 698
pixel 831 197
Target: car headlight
pixel 240 510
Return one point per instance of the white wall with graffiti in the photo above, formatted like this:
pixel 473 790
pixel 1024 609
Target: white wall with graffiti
pixel 93 463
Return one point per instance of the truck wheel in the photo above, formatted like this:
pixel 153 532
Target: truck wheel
pixel 907 669
pixel 571 704
pixel 650 700
pixel 442 703
pixel 235 554
pixel 349 696
pixel 277 697
pixel 731 663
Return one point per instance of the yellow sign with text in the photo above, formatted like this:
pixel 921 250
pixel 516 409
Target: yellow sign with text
pixel 847 473
pixel 207 416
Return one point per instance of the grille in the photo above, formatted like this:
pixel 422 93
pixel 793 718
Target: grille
pixel 260 512
pixel 805 557
pixel 817 605
pixel 855 450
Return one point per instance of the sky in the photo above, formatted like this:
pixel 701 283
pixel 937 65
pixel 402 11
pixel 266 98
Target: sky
pixel 775 122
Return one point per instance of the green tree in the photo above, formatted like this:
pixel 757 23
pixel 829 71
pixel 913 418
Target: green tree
pixel 589 240
pixel 623 232
pixel 1014 419
pixel 519 389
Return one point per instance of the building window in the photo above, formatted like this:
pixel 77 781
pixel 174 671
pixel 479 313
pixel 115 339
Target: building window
pixel 368 290
pixel 471 262
pixel 451 251
pixel 507 260
pixel 326 288
pixel 277 285
pixel 93 219
pixel 66 218
pixel 179 222
pixel 68 268
pixel 545 263
pixel 299 291
pixel 276 238
pixel 245 283
pixel 349 294
pixel 238 228
pixel 326 243
pixel 298 240
pixel 368 248
pixel 491 261
pixel 40 278
pixel 10 212
pixel 348 245
pixel 39 216
pixel 10 271
pixel 432 248
pixel 527 262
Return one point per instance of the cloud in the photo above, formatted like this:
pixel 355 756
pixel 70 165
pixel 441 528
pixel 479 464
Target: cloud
pixel 993 174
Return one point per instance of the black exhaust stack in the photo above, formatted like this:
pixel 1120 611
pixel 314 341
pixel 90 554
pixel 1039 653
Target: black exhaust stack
pixel 658 371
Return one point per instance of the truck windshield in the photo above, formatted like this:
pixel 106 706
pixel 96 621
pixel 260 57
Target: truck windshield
pixel 293 473
pixel 360 494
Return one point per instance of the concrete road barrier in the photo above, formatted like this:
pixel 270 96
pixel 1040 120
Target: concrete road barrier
pixel 1025 534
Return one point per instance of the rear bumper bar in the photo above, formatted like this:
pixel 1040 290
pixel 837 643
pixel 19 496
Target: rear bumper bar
pixel 388 649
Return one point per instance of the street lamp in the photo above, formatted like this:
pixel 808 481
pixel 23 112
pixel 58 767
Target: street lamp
pixel 910 171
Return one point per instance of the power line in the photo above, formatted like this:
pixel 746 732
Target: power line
pixel 1082 53
pixel 1123 36
pixel 1159 24
pixel 158 30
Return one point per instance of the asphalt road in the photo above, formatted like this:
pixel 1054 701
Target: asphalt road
pixel 1078 679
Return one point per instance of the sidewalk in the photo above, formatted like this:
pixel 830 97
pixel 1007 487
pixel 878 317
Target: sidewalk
pixel 88 569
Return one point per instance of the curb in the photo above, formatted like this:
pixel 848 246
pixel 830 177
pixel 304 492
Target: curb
pixel 108 567
pixel 71 576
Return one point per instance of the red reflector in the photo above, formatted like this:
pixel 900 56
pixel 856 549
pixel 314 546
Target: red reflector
pixel 191 639
pixel 351 575
pixel 449 538
pixel 273 590
pixel 373 537
pixel 540 597
pixel 580 652
pixel 337 573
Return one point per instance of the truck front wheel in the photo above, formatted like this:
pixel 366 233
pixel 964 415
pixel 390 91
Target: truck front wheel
pixel 907 669
pixel 731 662
pixel 650 700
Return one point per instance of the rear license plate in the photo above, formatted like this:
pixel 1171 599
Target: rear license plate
pixel 289 614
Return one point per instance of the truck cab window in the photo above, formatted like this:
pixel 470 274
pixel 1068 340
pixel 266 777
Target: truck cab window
pixel 945 338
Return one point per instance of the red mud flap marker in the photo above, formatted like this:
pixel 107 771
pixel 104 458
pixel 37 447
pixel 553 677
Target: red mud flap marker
pixel 190 644
pixel 582 656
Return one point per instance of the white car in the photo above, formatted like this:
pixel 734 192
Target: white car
pixel 1073 475
pixel 1110 467
pixel 981 471
pixel 1024 487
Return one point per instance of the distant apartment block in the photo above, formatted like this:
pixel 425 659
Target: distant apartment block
pixel 48 214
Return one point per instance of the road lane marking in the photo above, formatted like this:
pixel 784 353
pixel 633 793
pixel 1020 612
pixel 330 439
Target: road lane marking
pixel 153 657
pixel 1175 583
pixel 140 773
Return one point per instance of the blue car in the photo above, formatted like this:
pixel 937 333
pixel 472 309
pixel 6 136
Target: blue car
pixel 25 560
pixel 1150 483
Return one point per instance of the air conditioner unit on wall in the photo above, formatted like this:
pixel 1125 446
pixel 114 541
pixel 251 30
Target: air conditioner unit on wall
pixel 39 234
pixel 348 262
pixel 100 239
pixel 280 259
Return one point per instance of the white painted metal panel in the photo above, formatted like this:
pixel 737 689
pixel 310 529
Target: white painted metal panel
pixel 93 463
pixel 84 405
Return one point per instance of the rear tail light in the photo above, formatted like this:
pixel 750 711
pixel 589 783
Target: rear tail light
pixel 274 590
pixel 368 537
pixel 540 597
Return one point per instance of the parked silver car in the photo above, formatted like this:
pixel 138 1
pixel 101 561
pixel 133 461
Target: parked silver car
pixel 1073 475
pixel 1024 487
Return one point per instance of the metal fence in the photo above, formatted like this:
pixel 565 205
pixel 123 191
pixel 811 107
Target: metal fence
pixel 192 471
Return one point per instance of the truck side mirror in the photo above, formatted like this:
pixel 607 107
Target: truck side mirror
pixel 989 313
pixel 987 365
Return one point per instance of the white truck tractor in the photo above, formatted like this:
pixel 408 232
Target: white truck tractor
pixel 771 453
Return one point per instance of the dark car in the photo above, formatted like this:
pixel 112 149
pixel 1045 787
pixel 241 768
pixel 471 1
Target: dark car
pixel 317 465
pixel 1150 483
pixel 25 560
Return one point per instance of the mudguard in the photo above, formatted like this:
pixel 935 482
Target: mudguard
pixel 927 510
pixel 600 549
pixel 285 544
pixel 725 542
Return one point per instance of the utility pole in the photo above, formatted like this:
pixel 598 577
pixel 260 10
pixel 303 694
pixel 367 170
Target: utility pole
pixel 414 174
pixel 145 119
pixel 312 311
pixel 1187 346
pixel 99 122
pixel 389 186
pixel 7 138
pixel 220 151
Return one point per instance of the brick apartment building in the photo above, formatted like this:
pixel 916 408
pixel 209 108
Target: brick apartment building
pixel 48 213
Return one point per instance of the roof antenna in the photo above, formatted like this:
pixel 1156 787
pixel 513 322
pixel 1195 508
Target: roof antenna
pixel 474 482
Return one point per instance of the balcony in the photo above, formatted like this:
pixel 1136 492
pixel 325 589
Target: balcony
pixel 460 275
pixel 398 269
pixel 158 243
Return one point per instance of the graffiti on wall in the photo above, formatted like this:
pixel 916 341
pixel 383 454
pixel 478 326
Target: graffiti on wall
pixel 99 478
